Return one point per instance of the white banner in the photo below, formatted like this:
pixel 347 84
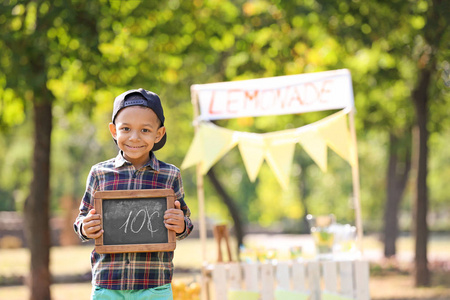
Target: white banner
pixel 275 95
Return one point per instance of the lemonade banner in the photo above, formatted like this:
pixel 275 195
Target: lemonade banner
pixel 275 95
pixel 212 142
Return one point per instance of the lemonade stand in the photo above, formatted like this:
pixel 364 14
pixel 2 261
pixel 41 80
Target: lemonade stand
pixel 293 94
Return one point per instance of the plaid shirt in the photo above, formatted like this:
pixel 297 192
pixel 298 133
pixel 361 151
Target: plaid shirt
pixel 132 271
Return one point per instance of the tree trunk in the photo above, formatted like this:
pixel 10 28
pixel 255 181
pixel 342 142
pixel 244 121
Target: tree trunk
pixel 233 209
pixel 433 32
pixel 420 98
pixel 397 176
pixel 37 207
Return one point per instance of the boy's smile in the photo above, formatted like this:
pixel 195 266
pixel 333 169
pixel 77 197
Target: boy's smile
pixel 136 130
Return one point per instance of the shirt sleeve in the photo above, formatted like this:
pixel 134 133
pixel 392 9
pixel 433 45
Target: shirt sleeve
pixel 87 203
pixel 179 195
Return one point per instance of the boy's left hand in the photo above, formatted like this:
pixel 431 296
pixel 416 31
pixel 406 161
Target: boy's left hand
pixel 174 218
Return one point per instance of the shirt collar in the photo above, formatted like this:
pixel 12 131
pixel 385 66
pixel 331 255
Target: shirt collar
pixel 152 162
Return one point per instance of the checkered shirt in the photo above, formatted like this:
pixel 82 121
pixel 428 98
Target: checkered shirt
pixel 132 271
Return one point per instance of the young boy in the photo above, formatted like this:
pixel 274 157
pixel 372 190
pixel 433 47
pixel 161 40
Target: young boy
pixel 138 129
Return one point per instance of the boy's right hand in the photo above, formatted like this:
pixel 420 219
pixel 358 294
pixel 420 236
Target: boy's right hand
pixel 92 227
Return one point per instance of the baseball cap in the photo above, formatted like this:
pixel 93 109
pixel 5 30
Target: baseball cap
pixel 144 98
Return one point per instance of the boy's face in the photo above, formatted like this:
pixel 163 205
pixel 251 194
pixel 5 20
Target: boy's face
pixel 136 130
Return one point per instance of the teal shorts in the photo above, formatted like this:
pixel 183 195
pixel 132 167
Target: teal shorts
pixel 163 292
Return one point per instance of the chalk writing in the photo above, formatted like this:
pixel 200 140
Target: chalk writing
pixel 144 219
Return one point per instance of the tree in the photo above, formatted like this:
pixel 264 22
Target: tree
pixel 398 170
pixel 435 36
pixel 107 44
pixel 232 207
pixel 36 44
pixel 389 50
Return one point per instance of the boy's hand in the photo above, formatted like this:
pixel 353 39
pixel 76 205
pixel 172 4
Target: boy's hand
pixel 92 227
pixel 174 218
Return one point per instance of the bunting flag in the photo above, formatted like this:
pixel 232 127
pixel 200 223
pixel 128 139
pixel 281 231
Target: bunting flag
pixel 334 131
pixel 212 142
pixel 251 147
pixel 194 155
pixel 279 158
pixel 315 146
pixel 209 145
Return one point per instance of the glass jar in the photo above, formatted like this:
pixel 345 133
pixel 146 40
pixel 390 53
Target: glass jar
pixel 323 237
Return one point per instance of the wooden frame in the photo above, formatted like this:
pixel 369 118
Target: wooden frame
pixel 138 224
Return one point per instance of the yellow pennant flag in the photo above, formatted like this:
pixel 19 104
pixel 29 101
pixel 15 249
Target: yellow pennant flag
pixel 195 152
pixel 209 145
pixel 212 142
pixel 277 149
pixel 251 147
pixel 337 136
pixel 279 157
pixel 315 146
pixel 217 142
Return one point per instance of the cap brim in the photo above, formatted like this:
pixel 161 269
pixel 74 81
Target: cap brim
pixel 160 144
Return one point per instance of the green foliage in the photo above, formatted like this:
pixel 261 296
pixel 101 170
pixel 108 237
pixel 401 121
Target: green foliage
pixel 92 51
pixel 15 171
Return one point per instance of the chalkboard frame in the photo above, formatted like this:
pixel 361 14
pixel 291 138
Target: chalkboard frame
pixel 101 196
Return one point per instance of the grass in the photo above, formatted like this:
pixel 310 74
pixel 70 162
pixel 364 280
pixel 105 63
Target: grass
pixel 387 281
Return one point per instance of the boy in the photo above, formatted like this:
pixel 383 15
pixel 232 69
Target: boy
pixel 138 129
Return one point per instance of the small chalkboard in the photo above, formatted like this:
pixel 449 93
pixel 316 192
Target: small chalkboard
pixel 133 221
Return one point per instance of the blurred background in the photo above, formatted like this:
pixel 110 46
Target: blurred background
pixel 62 63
